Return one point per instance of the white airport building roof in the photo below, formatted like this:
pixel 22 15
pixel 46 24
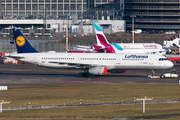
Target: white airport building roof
pixel 17 21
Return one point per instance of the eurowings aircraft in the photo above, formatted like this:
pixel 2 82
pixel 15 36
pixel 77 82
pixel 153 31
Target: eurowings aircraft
pixel 104 46
pixel 91 63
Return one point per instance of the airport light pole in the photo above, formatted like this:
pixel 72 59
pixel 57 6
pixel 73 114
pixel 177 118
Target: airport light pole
pixel 67 36
pixel 82 18
pixel 143 99
pixel 133 16
pixel 2 101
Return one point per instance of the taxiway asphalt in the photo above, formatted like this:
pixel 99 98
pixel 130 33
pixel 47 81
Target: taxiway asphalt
pixel 30 75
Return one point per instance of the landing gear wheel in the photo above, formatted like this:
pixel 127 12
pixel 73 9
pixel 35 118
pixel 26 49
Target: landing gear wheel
pixel 162 76
pixel 84 75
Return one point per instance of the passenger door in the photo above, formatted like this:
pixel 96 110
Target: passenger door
pixel 151 61
pixel 77 58
pixel 118 61
pixel 35 59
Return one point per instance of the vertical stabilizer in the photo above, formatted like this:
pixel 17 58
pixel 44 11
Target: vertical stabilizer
pixel 22 44
pixel 100 37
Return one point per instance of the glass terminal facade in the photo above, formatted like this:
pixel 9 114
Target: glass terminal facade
pixel 93 9
pixel 153 16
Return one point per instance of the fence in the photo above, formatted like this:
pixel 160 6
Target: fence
pixel 40 45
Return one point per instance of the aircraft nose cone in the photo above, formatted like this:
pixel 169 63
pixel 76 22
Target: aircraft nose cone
pixel 171 64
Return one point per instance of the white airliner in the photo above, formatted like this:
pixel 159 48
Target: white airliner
pixel 91 63
pixel 104 46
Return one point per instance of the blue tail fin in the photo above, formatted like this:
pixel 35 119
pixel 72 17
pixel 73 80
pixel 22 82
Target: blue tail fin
pixel 22 44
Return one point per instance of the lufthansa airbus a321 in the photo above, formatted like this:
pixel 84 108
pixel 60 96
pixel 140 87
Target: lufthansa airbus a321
pixel 91 63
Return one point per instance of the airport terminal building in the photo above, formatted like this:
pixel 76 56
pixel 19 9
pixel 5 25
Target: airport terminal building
pixel 91 9
pixel 153 15
pixel 55 13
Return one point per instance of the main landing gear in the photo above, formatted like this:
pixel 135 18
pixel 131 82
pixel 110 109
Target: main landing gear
pixel 85 75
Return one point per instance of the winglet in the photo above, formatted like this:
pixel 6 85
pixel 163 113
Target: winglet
pixel 100 37
pixel 22 44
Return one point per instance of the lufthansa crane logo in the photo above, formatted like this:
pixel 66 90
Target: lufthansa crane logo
pixel 20 41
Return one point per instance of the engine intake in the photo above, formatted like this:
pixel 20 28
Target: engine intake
pixel 98 70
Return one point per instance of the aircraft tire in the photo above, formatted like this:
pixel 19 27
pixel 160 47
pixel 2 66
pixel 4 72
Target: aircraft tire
pixel 162 76
pixel 84 75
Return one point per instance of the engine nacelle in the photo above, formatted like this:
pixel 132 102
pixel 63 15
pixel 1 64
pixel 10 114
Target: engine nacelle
pixel 117 71
pixel 98 70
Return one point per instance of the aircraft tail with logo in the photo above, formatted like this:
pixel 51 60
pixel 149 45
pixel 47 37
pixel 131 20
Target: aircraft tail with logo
pixel 102 44
pixel 100 37
pixel 22 44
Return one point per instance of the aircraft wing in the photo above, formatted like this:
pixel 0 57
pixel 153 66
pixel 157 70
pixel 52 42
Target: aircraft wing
pixel 82 65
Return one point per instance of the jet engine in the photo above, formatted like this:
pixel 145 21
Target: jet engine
pixel 98 70
pixel 117 71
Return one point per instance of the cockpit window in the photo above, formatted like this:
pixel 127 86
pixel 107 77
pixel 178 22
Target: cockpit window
pixel 162 59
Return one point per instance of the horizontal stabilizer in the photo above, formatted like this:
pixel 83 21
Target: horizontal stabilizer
pixel 16 57
pixel 105 48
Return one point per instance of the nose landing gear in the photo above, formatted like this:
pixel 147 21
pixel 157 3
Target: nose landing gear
pixel 153 72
